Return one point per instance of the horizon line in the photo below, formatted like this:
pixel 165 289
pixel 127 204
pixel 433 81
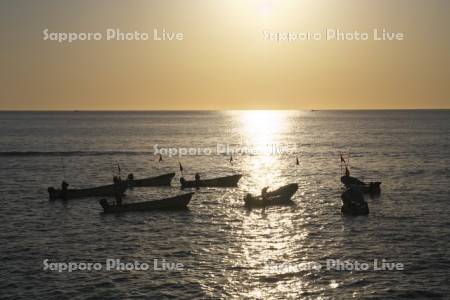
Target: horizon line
pixel 216 110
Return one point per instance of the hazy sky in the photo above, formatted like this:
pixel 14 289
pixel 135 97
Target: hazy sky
pixel 224 60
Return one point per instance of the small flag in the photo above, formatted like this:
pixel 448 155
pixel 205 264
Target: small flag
pixel 181 167
pixel 160 157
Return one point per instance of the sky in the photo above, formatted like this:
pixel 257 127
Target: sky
pixel 225 59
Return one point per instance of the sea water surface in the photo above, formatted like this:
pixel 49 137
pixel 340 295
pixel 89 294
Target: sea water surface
pixel 227 251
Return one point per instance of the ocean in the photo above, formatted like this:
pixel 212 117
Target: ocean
pixel 225 250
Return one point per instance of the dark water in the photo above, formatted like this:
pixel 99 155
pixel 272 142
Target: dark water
pixel 227 252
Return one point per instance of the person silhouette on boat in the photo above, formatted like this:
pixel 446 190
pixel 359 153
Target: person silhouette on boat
pixel 64 188
pixel 130 180
pixel 117 190
pixel 197 180
pixel 264 192
pixel 264 195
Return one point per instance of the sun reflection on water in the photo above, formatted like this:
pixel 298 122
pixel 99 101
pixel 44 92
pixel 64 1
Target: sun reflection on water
pixel 263 131
pixel 263 126
pixel 265 238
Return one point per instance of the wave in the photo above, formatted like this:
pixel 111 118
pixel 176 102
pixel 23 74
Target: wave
pixel 416 294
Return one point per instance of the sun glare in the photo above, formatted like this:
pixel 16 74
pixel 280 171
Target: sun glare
pixel 262 126
pixel 262 131
pixel 265 8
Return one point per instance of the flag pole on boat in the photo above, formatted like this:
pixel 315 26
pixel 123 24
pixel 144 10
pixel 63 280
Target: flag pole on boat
pixel 342 161
pixel 345 162
pixel 348 158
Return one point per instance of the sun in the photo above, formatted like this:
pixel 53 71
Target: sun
pixel 265 8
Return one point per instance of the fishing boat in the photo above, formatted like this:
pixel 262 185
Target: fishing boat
pixel 173 203
pixel 280 196
pixel 227 181
pixel 162 180
pixel 100 191
pixel 354 203
pixel 372 188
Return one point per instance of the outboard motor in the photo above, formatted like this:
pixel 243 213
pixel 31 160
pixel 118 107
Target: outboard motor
pixel 375 188
pixel 104 203
pixel 51 193
pixel 247 200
